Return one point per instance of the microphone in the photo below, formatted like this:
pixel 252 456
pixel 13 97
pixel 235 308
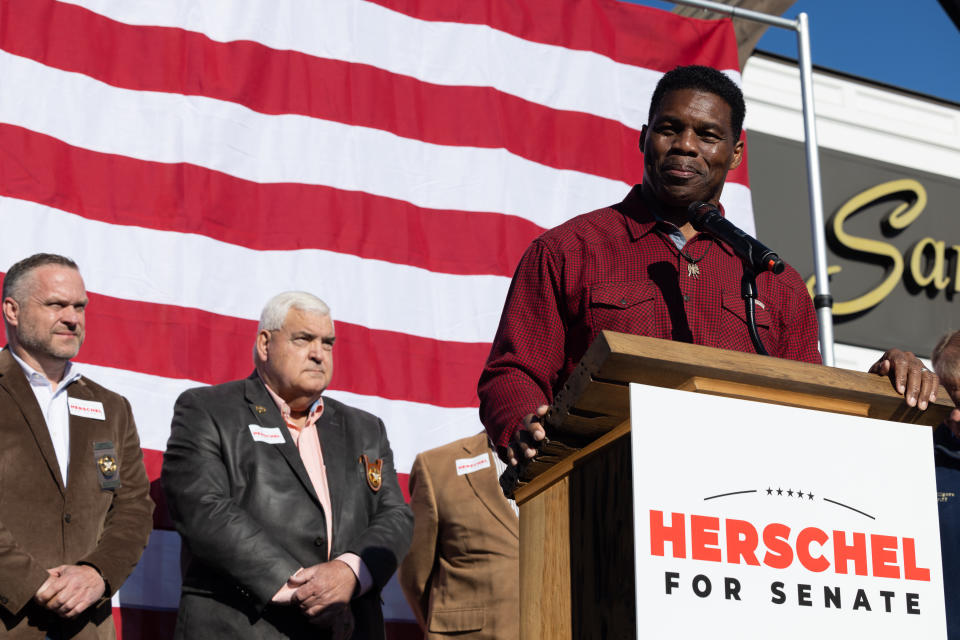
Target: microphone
pixel 707 218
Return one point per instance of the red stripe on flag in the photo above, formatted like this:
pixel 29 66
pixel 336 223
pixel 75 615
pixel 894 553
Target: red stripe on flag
pixel 189 199
pixel 176 61
pixel 186 198
pixel 404 480
pixel 153 463
pixel 179 342
pixel 144 624
pixel 185 343
pixel 625 32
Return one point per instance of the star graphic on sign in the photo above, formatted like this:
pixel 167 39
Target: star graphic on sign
pixel 779 492
pixel 800 494
pixel 809 496
pixel 769 491
pixel 790 492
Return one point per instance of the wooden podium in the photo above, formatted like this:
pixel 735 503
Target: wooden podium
pixel 576 520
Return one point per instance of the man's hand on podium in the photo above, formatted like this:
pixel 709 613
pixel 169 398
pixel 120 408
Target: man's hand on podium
pixel 907 373
pixel 527 439
pixel 909 376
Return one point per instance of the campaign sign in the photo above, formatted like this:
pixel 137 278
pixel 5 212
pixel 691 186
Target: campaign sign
pixel 755 520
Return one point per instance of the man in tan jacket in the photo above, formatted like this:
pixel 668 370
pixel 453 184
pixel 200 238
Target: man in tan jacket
pixel 75 512
pixel 461 576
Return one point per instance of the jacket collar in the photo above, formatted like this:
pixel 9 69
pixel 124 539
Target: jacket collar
pixel 17 386
pixel 489 493
pixel 264 410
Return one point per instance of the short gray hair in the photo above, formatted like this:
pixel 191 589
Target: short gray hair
pixel 275 312
pixel 13 282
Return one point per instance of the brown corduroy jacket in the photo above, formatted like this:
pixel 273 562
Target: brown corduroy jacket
pixel 44 525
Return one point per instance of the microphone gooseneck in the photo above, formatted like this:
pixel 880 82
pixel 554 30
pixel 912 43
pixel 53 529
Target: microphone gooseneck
pixel 707 218
pixel 755 255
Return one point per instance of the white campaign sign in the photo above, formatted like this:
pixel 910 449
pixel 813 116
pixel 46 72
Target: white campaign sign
pixel 757 521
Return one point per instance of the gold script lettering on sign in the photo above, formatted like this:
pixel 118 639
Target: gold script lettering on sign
pixel 938 272
pixel 901 217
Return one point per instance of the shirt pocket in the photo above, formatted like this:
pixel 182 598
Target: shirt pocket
pixel 734 332
pixel 625 306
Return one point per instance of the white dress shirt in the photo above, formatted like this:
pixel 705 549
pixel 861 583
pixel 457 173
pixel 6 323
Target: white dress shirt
pixel 53 404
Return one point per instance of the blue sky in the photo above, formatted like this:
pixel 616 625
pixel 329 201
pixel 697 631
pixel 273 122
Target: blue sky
pixel 913 45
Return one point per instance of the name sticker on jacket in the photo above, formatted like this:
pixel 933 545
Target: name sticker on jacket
pixel 270 435
pixel 469 465
pixel 86 408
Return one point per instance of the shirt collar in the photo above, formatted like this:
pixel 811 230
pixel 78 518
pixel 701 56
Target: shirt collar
pixel 38 379
pixel 641 219
pixel 316 409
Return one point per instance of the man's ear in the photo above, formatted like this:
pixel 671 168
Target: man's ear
pixel 11 311
pixel 643 137
pixel 737 155
pixel 263 342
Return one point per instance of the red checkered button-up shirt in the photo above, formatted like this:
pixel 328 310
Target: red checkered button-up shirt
pixel 616 269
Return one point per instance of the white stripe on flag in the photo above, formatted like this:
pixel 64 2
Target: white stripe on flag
pixel 151 398
pixel 235 281
pixel 738 206
pixel 445 53
pixel 231 138
pixel 411 426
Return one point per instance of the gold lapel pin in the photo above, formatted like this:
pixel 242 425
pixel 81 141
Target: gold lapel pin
pixel 374 472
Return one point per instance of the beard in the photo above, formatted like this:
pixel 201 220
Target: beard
pixel 50 345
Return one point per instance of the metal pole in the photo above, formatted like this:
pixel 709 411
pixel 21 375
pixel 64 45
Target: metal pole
pixel 746 14
pixel 822 300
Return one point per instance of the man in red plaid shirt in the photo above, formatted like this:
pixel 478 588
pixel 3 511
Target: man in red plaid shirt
pixel 640 267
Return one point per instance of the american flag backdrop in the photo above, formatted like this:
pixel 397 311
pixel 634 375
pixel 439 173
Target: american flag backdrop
pixel 394 157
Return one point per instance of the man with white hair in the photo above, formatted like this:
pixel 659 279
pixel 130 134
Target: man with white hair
pixel 287 501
